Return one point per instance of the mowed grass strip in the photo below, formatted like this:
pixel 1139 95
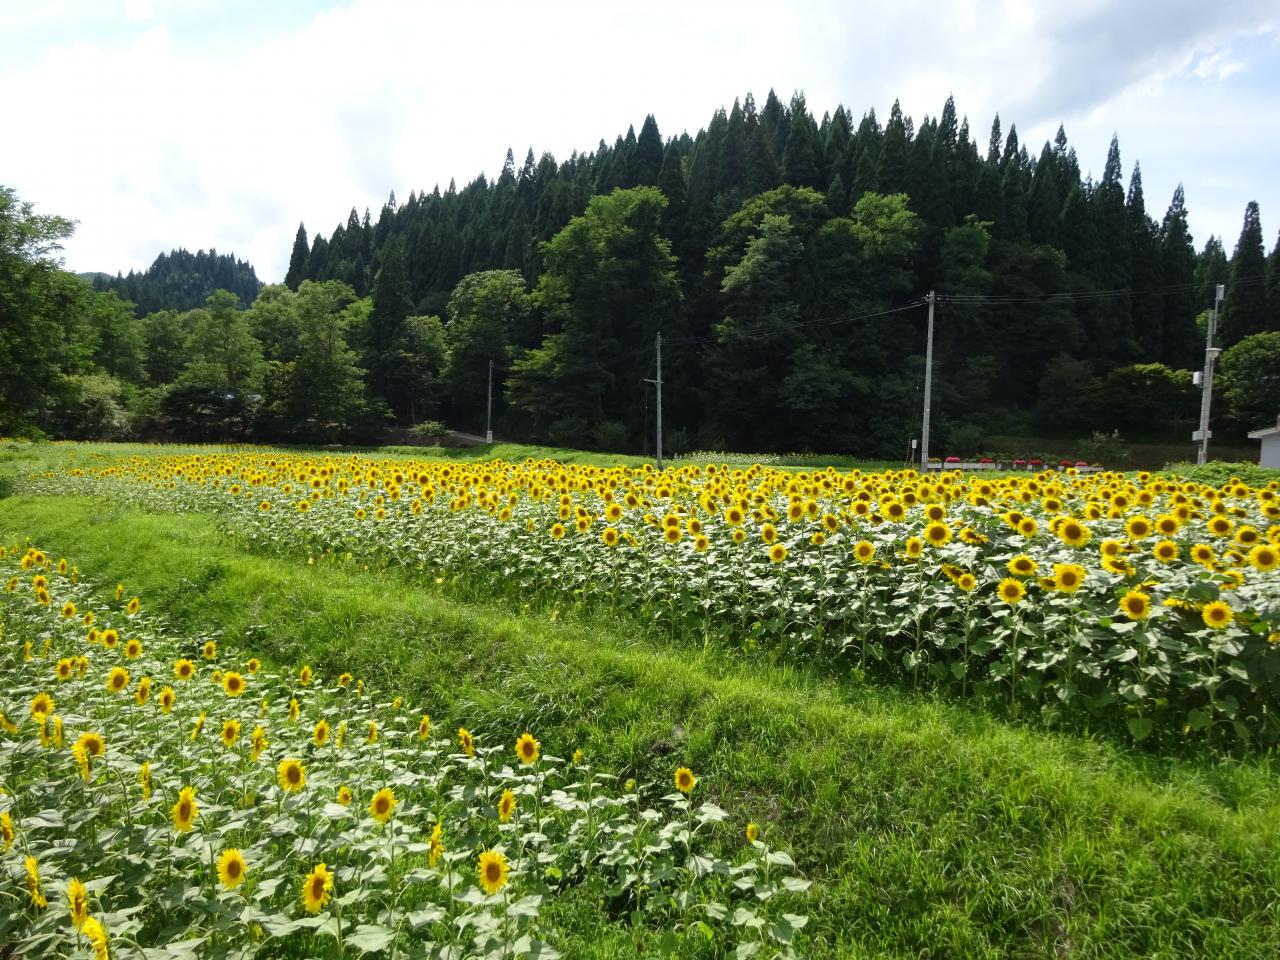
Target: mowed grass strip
pixel 931 830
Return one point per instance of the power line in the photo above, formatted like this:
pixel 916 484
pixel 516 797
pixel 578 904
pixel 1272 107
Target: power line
pixel 1086 295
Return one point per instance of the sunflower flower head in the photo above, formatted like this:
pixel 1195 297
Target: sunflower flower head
pixel 231 868
pixel 1217 615
pixel 506 805
pixel 492 869
pixel 436 848
pixel 77 902
pixel 528 749
pixel 383 805
pixel 290 775
pixel 186 810
pixel 317 889
pixel 685 780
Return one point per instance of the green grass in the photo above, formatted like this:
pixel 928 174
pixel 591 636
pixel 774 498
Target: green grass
pixel 930 828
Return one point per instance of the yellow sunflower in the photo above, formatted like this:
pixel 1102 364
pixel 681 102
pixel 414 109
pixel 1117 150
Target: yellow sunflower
pixel 1217 615
pixel 290 775
pixel 436 847
pixel 1265 557
pixel 1136 605
pixel 382 805
pixel 1068 577
pixel 317 889
pixel 685 780
pixel 1011 591
pixel 185 810
pixel 937 534
pixel 466 742
pixel 1138 527
pixel 506 806
pixel 33 884
pixel 492 869
pixel 231 868
pixel 233 684
pixel 97 937
pixel 1073 533
pixel 41 706
pixel 118 679
pixel 528 749
pixel 77 902
pixel 1023 566
pixel 230 732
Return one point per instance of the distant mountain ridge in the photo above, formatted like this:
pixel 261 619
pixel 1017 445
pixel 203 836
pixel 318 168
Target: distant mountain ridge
pixel 181 280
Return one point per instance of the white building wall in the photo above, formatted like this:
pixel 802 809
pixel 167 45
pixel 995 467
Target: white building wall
pixel 1271 451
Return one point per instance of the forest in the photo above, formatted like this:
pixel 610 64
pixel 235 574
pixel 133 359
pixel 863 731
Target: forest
pixel 784 259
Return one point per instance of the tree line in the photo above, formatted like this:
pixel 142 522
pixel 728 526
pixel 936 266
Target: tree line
pixel 783 259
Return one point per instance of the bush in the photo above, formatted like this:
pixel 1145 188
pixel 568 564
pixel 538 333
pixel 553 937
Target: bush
pixel 1107 449
pixel 428 430
pixel 610 436
pixel 1217 472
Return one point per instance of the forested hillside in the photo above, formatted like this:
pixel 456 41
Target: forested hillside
pixel 181 280
pixel 772 224
pixel 784 259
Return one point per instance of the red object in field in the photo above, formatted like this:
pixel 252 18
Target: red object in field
pixel 1082 463
pixel 1064 463
pixel 1036 463
pixel 1019 463
pixel 986 460
pixel 952 460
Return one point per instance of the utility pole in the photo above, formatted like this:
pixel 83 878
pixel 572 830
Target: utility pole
pixel 658 383
pixel 1206 386
pixel 488 417
pixel 928 390
pixel 659 410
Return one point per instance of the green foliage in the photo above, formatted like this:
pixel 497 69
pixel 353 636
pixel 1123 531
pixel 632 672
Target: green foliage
pixel 489 319
pixel 1251 379
pixel 609 286
pixel 42 334
pixel 1217 473
pixel 224 353
pixel 1106 449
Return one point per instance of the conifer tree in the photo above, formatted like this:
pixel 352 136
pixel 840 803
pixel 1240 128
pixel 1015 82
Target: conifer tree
pixel 1245 309
pixel 647 162
pixel 1146 276
pixel 1178 267
pixel 800 157
pixel 298 259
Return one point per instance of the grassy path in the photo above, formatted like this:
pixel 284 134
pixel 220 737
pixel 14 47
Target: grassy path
pixel 931 830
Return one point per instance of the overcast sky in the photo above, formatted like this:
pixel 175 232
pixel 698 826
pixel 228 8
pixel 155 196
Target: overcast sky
pixel 223 123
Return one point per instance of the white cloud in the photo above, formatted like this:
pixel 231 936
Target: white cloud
pixel 159 140
pixel 139 11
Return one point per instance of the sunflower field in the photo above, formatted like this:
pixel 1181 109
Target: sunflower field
pixel 1143 603
pixel 164 796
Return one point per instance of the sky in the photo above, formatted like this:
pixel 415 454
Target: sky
pixel 159 124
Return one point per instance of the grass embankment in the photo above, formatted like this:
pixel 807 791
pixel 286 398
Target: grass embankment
pixel 930 829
